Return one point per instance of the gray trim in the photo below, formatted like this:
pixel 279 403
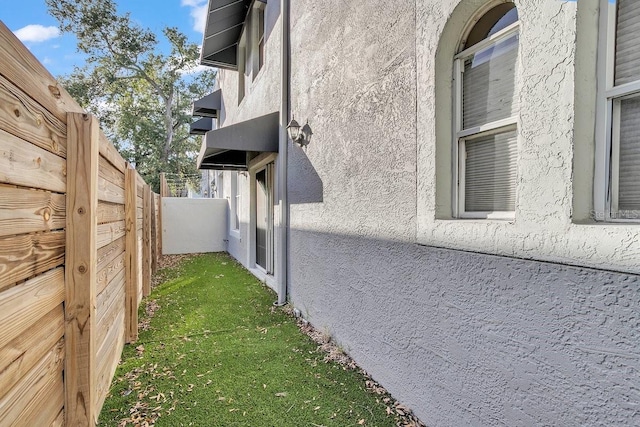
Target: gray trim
pixel 228 147
pixel 202 126
pixel 208 106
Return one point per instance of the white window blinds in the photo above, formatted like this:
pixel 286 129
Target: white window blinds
pixel 490 173
pixel 627 65
pixel 488 92
pixel 629 163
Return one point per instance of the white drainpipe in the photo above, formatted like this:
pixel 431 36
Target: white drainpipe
pixel 283 155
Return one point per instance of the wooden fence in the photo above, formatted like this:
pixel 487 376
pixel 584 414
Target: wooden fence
pixel 78 243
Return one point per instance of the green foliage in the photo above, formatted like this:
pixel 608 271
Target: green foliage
pixel 141 95
pixel 217 353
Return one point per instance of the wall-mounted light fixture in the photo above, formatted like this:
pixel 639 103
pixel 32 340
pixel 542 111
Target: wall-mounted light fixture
pixel 299 135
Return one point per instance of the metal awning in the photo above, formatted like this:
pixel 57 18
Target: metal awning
pixel 229 147
pixel 225 19
pixel 208 106
pixel 202 126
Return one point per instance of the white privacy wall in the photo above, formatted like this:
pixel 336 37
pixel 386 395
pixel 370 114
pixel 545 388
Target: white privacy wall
pixel 193 225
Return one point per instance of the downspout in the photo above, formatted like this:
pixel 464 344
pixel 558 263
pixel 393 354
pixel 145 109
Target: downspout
pixel 283 154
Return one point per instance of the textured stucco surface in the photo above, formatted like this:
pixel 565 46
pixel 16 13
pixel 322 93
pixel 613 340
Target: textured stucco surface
pixel 463 338
pixel 477 340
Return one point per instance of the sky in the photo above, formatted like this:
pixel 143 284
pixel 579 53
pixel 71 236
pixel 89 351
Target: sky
pixel 38 30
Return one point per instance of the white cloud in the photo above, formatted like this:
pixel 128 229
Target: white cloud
pixel 198 13
pixel 195 70
pixel 37 33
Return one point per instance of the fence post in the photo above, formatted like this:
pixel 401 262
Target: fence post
pixel 131 256
pixel 154 235
pixel 80 269
pixel 146 240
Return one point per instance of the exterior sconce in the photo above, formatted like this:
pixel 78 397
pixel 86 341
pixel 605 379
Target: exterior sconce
pixel 299 135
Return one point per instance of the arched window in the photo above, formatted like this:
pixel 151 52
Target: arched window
pixel 618 144
pixel 486 111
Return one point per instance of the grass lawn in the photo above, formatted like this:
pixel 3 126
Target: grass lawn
pixel 216 352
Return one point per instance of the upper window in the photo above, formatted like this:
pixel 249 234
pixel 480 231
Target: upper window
pixel 251 49
pixel 486 107
pixel 621 96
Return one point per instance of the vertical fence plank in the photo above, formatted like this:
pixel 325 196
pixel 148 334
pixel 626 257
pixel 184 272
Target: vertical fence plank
pixel 131 256
pixel 80 270
pixel 154 235
pixel 146 241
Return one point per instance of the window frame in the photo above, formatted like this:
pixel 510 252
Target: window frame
pixel 461 135
pixel 606 174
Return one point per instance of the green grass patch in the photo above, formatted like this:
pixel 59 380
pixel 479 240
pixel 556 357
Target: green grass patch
pixel 217 353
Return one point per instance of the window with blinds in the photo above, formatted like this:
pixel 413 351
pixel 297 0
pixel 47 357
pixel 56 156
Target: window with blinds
pixel 623 99
pixel 487 108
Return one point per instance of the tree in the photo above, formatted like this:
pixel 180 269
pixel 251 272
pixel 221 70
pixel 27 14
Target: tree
pixel 141 96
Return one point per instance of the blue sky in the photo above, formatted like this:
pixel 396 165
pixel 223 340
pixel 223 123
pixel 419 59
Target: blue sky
pixel 38 30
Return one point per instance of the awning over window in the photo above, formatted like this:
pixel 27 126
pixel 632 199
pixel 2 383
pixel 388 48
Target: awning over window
pixel 202 126
pixel 225 19
pixel 208 106
pixel 228 148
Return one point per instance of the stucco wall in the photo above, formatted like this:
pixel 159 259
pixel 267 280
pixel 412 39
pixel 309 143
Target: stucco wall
pixel 467 339
pixel 193 225
pixel 463 338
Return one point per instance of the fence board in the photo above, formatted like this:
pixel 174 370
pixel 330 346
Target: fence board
pixel 27 255
pixel 131 259
pixel 109 212
pixel 23 117
pixel 46 405
pixel 25 393
pixel 109 152
pixel 24 70
pixel 80 302
pixel 26 211
pixel 21 354
pixel 109 172
pixel 110 304
pixel 59 421
pixel 110 272
pixel 22 305
pixel 110 192
pixel 108 362
pixel 27 165
pixel 110 232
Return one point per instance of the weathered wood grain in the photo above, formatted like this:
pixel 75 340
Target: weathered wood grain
pixel 27 165
pixel 22 305
pixel 108 360
pixel 25 71
pixel 59 421
pixel 110 192
pixel 21 354
pixel 32 389
pixel 26 211
pixel 109 212
pixel 81 257
pixel 27 255
pixel 23 117
pixel 110 172
pixel 110 232
pixel 45 406
pixel 131 258
pixel 110 304
pixel 109 152
pixel 110 272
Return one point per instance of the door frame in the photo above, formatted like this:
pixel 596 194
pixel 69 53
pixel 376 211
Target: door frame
pixel 256 165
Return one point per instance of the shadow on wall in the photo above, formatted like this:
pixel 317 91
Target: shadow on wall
pixel 305 185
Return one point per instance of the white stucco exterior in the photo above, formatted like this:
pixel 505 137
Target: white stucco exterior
pixel 187 225
pixel 531 321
